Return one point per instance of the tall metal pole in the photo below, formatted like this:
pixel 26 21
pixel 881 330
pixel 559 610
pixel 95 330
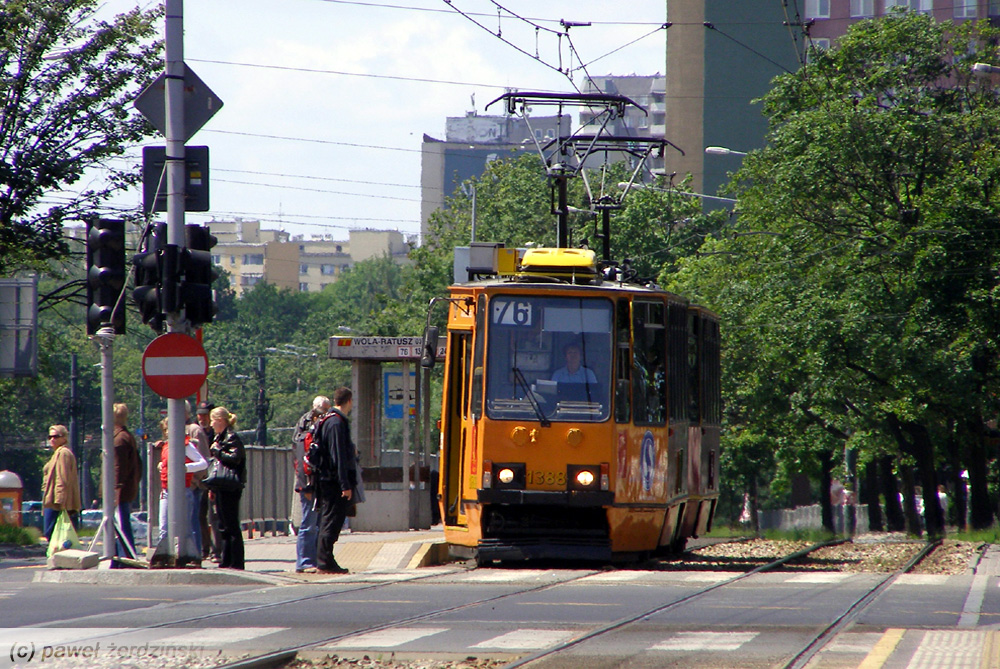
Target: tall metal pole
pixel 74 423
pixel 177 526
pixel 261 401
pixel 105 340
pixel 407 494
pixel 74 407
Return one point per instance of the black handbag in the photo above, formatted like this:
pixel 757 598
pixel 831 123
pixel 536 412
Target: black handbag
pixel 222 477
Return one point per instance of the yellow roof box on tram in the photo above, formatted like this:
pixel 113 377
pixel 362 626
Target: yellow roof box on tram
pixel 574 265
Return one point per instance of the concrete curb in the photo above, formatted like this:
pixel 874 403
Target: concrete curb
pixel 158 577
pixel 430 555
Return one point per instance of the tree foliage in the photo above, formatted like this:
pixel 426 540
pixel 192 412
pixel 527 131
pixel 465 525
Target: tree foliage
pixel 67 84
pixel 859 289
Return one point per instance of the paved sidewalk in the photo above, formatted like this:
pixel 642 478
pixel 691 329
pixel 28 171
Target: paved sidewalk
pixel 357 551
pixel 271 559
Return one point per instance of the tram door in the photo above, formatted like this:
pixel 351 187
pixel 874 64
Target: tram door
pixel 452 433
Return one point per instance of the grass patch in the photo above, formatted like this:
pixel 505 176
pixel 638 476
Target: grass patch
pixel 19 536
pixel 811 535
pixel 727 532
pixel 987 536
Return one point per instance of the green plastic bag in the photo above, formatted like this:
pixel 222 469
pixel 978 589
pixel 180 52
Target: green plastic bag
pixel 63 535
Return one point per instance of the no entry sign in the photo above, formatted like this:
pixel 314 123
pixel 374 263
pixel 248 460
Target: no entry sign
pixel 174 365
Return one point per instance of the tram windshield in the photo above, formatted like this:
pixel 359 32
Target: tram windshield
pixel 549 358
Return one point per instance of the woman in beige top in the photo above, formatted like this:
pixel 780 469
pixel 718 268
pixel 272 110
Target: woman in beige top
pixel 60 482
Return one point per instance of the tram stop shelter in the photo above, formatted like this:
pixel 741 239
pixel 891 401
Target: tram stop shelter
pixel 400 485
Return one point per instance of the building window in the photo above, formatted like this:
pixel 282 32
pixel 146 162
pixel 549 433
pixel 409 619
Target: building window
pixel 328 270
pixel 253 258
pixel 862 8
pixel 965 9
pixel 250 279
pixel 994 8
pixel 303 268
pixel 816 44
pixel 817 9
pixel 216 259
pixel 303 287
pixel 340 249
pixel 232 260
pixel 924 6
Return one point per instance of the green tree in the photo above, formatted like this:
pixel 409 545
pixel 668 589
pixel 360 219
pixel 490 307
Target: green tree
pixel 67 84
pixel 861 274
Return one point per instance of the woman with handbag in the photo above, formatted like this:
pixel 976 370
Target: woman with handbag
pixel 61 483
pixel 228 454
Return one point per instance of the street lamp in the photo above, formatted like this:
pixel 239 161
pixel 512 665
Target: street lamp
pixel 985 68
pixel 722 151
pixel 626 185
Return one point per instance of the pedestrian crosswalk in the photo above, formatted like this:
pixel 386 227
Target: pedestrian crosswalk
pixel 923 648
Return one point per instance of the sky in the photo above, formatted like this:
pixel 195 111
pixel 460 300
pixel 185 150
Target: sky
pixel 325 102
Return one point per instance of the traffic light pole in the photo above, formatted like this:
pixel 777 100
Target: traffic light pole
pixel 177 529
pixel 105 340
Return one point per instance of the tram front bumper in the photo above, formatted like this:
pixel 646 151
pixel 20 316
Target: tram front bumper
pixel 572 498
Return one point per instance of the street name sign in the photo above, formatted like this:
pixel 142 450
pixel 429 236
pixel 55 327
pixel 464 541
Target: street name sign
pixel 379 348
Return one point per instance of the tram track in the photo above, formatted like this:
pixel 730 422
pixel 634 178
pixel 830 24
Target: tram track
pixel 282 656
pixel 286 654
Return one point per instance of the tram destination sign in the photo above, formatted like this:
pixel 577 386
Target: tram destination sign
pixel 379 348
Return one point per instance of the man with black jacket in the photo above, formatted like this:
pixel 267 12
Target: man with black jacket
pixel 305 545
pixel 336 478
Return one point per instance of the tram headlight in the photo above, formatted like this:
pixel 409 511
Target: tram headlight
pixel 509 475
pixel 583 477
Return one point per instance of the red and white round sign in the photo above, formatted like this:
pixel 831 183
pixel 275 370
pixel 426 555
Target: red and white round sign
pixel 174 365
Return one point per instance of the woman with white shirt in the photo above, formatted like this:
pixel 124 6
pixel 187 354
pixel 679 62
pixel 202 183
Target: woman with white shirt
pixel 193 462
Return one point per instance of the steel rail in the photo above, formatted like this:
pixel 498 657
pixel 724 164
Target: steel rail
pixel 628 620
pixel 827 634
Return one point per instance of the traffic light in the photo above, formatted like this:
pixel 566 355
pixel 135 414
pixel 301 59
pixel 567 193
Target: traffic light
pixel 105 274
pixel 148 266
pixel 196 294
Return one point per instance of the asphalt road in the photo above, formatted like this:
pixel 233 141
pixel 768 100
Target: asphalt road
pixel 762 621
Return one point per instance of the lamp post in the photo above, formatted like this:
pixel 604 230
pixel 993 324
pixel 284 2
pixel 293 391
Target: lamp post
pixel 722 151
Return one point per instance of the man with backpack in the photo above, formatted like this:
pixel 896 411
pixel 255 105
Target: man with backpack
pixel 305 545
pixel 333 459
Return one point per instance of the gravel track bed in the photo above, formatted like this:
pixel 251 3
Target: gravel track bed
pixel 885 554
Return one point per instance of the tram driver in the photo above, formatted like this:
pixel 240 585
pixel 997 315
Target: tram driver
pixel 574 372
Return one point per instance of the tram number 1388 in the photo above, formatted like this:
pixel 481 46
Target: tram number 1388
pixel 539 477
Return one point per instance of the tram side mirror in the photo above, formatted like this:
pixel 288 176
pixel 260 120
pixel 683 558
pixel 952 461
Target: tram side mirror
pixel 430 347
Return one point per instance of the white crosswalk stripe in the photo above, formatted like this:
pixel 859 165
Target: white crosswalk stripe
pixel 385 638
pixel 525 639
pixel 710 641
pixel 819 577
pixel 504 576
pixel 216 637
pixel 947 649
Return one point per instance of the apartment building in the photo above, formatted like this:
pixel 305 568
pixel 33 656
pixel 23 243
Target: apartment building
pixel 251 254
pixel 723 55
pixel 471 143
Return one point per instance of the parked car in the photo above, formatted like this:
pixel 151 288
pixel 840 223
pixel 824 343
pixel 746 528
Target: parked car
pixel 31 514
pixel 139 527
pixel 91 518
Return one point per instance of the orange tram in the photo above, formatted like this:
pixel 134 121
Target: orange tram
pixel 580 414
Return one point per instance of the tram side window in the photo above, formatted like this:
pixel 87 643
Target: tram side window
pixel 623 366
pixel 649 372
pixel 694 378
pixel 678 315
pixel 710 372
pixel 477 362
